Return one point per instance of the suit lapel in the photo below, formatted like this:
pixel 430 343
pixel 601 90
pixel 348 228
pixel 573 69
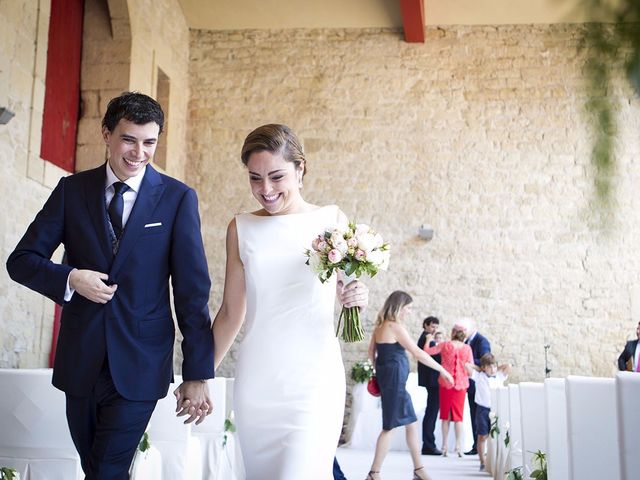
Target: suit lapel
pixel 94 195
pixel 150 192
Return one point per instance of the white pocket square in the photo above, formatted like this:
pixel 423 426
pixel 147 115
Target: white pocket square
pixel 150 225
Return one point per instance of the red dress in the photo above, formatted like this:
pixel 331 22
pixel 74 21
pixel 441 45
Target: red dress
pixel 452 396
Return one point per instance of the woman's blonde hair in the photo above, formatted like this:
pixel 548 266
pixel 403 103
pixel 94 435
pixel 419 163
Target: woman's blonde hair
pixel 392 306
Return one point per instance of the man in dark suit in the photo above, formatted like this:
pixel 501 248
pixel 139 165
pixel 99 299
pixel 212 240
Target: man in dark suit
pixel 428 378
pixel 629 358
pixel 127 230
pixel 479 346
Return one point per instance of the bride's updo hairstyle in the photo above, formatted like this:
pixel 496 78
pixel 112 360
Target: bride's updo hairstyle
pixel 392 306
pixel 276 139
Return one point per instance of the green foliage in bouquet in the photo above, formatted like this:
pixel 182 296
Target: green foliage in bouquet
pixel 361 372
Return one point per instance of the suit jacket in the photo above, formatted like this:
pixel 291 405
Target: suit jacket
pixel 626 357
pixel 427 377
pixel 479 346
pixel 135 330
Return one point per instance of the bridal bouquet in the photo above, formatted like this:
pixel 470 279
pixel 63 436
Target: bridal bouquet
pixel 355 250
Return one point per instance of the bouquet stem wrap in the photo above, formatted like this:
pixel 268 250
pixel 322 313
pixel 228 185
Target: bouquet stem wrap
pixel 352 329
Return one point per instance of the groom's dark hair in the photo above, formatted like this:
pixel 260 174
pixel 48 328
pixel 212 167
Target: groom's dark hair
pixel 135 107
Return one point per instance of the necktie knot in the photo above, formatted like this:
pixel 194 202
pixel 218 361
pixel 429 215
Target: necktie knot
pixel 120 187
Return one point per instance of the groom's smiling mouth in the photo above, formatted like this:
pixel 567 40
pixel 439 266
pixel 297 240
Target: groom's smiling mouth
pixel 133 163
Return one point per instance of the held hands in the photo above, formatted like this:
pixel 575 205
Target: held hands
pixel 356 294
pixel 90 285
pixel 192 398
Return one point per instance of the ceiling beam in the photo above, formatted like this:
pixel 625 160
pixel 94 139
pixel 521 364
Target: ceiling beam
pixel 413 20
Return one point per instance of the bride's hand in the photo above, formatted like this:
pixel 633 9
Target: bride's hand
pixel 192 398
pixel 356 294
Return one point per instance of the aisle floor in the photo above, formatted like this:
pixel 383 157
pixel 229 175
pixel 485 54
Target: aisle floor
pixel 397 466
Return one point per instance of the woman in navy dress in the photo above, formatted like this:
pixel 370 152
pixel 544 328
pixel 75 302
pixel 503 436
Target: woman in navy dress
pixel 387 350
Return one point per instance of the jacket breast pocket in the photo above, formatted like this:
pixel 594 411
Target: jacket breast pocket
pixel 155 327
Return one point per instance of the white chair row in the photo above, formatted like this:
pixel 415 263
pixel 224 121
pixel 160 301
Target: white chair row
pixel 35 439
pixel 586 426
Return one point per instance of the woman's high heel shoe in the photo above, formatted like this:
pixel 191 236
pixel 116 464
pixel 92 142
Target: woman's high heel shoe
pixel 416 477
pixel 459 452
pixel 373 475
pixel 444 452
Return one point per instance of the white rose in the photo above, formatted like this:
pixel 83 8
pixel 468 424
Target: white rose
pixel 376 257
pixel 315 262
pixel 361 229
pixel 366 242
pixel 386 256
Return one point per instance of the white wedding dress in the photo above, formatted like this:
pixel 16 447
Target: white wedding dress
pixel 289 390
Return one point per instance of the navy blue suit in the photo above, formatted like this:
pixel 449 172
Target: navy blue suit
pixel 479 346
pixel 627 354
pixel 129 340
pixel 428 378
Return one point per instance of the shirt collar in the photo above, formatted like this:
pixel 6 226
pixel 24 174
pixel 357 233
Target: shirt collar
pixel 133 183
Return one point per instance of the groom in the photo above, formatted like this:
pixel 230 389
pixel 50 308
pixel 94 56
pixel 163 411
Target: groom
pixel 127 230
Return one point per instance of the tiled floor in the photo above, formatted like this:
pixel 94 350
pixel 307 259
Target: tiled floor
pixel 397 466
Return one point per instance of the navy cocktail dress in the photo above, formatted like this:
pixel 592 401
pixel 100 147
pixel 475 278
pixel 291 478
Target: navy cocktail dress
pixel 392 370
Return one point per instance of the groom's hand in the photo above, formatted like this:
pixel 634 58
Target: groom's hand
pixel 90 285
pixel 192 398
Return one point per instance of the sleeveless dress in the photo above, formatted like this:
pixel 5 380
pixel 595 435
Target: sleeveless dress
pixel 289 389
pixel 392 370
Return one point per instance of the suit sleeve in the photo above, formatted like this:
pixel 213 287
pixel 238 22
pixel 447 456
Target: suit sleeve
pixel 30 263
pixel 483 347
pixel 623 358
pixel 191 286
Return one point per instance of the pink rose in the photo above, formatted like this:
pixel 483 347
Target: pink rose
pixel 316 243
pixel 334 256
pixel 359 255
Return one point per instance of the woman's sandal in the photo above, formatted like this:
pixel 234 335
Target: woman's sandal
pixel 415 475
pixel 370 475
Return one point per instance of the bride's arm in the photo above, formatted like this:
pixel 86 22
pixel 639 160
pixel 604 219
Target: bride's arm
pixel 230 317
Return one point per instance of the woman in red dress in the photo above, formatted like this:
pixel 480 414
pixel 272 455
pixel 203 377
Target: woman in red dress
pixel 455 355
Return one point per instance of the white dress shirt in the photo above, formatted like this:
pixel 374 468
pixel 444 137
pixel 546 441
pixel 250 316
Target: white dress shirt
pixel 129 198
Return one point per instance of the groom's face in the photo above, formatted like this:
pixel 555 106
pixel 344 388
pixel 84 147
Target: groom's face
pixel 131 147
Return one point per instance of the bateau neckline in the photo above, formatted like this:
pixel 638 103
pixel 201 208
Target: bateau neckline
pixel 285 215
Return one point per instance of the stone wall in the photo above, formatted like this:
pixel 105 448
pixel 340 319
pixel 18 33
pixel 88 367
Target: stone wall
pixel 26 180
pixel 479 132
pixel 125 42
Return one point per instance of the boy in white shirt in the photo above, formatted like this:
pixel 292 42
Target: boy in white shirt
pixel 489 375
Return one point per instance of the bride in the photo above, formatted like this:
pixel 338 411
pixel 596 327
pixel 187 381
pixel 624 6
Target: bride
pixel 289 388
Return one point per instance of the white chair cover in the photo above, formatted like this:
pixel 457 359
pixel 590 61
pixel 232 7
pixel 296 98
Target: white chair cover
pixel 515 428
pixel 502 411
pixel 146 465
pixel 628 399
pixel 532 415
pixel 592 428
pixel 492 443
pixel 556 421
pixel 180 450
pixel 34 435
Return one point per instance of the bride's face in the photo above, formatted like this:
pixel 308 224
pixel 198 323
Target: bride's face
pixel 275 182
